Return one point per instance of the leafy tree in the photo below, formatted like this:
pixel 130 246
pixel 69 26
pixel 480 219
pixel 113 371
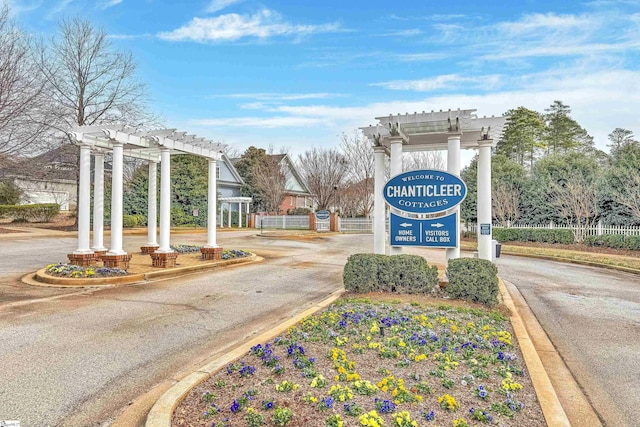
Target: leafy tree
pixel 245 167
pixel 620 185
pixel 522 136
pixel 10 193
pixel 562 133
pixel 619 138
pixel 469 206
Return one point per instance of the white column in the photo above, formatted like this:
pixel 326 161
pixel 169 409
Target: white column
pixel 379 233
pixel 239 214
pixel 221 215
pixel 165 201
pixel 453 167
pixel 98 203
pixel 84 202
pixel 229 214
pixel 116 200
pixel 396 169
pixel 484 199
pixel 211 206
pixel 152 210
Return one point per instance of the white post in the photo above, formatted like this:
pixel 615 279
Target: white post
pixel 379 233
pixel 229 214
pixel 116 200
pixel 239 214
pixel 484 200
pixel 84 201
pixel 211 206
pixel 396 169
pixel 152 212
pixel 165 201
pixel 453 167
pixel 98 203
pixel 221 215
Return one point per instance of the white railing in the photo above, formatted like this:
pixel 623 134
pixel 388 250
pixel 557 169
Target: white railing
pixel 284 222
pixel 595 230
pixel 355 225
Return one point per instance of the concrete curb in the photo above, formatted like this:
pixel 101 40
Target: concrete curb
pixel 39 278
pixel 162 411
pixel 576 261
pixel 551 408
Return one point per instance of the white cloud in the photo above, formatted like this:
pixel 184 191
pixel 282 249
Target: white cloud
pixel 17 7
pixel 62 5
pixel 217 5
pixel 453 82
pixel 265 96
pixel 260 122
pixel 110 3
pixel 262 25
pixel 547 22
pixel 419 57
pixel 411 32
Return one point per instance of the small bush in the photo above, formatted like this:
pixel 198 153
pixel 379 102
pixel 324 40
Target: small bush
pixel 141 220
pixel 36 213
pixel 299 211
pixel 544 235
pixel 129 220
pixel 473 280
pixel 381 273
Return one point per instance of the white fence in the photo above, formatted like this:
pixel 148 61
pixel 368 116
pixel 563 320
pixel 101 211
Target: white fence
pixel 596 230
pixel 355 225
pixel 284 222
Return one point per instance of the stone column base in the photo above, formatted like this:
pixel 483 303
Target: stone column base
pixel 164 260
pixel 211 253
pixel 117 261
pixel 83 260
pixel 147 250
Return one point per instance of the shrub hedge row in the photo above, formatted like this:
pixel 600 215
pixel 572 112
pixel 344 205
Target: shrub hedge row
pixel 545 235
pixel 134 220
pixel 382 273
pixel 35 213
pixel 616 241
pixel 473 280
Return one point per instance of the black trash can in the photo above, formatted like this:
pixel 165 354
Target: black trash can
pixel 498 248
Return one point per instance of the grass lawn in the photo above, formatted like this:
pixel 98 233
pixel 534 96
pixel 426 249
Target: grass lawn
pixel 384 360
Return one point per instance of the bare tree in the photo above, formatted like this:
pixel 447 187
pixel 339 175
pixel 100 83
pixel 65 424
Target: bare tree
pixel 23 121
pixel 270 182
pixel 89 81
pixel 424 160
pixel 356 196
pixel 576 201
pixel 324 172
pixel 506 203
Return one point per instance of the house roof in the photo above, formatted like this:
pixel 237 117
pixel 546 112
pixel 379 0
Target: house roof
pixel 285 160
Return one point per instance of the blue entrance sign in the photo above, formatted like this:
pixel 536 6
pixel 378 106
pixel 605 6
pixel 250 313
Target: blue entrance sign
pixel 485 229
pixel 424 191
pixel 322 215
pixel 434 233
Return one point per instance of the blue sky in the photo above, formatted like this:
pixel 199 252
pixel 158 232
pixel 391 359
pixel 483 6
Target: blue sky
pixel 297 74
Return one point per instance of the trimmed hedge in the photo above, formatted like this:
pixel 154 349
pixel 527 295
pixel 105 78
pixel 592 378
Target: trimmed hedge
pixel 615 241
pixel 35 213
pixel 545 235
pixel 129 221
pixel 473 279
pixel 382 273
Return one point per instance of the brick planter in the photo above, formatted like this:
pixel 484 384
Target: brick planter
pixel 116 261
pixel 148 250
pixel 83 260
pixel 164 260
pixel 210 254
pixel 99 254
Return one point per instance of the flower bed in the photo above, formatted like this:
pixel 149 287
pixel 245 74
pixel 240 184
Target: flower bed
pixel 226 253
pixel 234 253
pixel 77 272
pixel 185 249
pixel 360 363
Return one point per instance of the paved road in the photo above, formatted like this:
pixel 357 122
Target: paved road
pixel 79 359
pixel 592 316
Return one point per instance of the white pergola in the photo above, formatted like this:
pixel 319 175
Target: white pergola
pixel 230 201
pixel 156 146
pixel 449 130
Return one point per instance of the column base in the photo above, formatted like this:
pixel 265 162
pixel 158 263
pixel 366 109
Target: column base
pixel 210 254
pixel 148 249
pixel 116 261
pixel 99 253
pixel 83 260
pixel 164 259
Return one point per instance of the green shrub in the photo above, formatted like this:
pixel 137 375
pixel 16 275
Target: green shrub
pixel 544 235
pixel 381 273
pixel 141 220
pixel 36 213
pixel 473 280
pixel 299 211
pixel 615 241
pixel 129 220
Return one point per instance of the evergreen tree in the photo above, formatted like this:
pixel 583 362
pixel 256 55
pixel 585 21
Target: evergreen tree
pixel 562 133
pixel 522 136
